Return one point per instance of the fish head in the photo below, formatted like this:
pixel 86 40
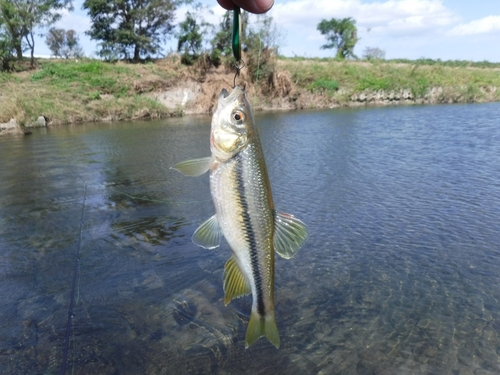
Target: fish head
pixel 232 124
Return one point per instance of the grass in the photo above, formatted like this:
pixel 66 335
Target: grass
pixel 421 61
pixel 67 91
pixel 85 90
pixel 324 84
pixel 417 76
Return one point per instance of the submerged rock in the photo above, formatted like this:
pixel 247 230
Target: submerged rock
pixel 11 127
pixel 40 122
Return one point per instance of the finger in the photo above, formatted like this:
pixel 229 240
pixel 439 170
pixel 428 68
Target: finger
pixel 253 6
pixel 226 4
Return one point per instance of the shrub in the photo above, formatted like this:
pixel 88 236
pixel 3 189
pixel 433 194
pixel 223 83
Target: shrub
pixel 323 84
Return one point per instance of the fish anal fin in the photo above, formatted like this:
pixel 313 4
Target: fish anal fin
pixel 235 284
pixel 194 167
pixel 208 234
pixel 259 326
pixel 290 234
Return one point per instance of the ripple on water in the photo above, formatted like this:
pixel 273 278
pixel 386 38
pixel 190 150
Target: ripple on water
pixel 400 274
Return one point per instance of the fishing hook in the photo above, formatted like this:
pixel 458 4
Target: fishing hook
pixel 238 65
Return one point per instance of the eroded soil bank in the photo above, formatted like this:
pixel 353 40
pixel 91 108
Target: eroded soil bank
pixel 64 91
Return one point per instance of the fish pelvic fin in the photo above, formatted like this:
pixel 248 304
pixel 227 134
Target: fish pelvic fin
pixel 290 234
pixel 259 326
pixel 208 234
pixel 194 167
pixel 235 284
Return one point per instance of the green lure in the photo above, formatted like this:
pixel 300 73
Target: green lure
pixel 237 34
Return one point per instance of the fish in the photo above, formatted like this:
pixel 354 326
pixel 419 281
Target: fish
pixel 244 212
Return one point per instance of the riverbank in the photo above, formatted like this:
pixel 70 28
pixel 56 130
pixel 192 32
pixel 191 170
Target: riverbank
pixel 71 91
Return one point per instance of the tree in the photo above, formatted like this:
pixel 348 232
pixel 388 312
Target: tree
pixel 22 17
pixel 72 48
pixel 261 43
pixel 130 28
pixel 63 43
pixel 341 34
pixel 372 53
pixel 190 35
pixel 13 26
pixel 6 48
pixel 221 42
pixel 55 40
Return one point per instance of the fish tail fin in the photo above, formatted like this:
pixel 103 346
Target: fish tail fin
pixel 259 326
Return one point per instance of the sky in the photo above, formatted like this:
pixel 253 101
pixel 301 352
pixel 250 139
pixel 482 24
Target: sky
pixel 411 29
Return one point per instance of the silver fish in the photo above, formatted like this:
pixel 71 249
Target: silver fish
pixel 244 212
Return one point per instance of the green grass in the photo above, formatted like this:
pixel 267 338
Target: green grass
pixel 417 76
pixel 324 85
pixel 84 90
pixel 4 77
pixel 90 90
pixel 79 78
pixel 421 61
pixel 449 63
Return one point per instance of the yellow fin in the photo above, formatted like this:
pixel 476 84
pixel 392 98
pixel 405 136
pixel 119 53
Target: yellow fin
pixel 259 326
pixel 208 234
pixel 290 234
pixel 235 284
pixel 194 167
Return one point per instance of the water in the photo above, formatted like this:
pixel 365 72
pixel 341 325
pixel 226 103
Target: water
pixel 401 274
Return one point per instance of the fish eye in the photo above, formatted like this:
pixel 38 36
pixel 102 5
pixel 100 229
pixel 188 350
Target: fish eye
pixel 238 116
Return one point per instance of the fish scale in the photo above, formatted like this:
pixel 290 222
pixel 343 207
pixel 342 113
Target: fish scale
pixel 253 219
pixel 244 212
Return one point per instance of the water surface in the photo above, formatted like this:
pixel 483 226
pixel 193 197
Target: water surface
pixel 401 274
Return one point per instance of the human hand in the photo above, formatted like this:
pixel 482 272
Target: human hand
pixel 253 6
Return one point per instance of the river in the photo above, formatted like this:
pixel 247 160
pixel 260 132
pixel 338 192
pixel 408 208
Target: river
pixel 400 275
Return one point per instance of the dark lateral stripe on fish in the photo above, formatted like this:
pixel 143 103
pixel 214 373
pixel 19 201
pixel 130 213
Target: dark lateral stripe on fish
pixel 250 235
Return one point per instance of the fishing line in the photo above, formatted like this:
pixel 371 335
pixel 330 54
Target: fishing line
pixel 159 200
pixel 73 288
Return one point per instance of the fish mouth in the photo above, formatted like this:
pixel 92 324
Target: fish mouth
pixel 236 92
pixel 223 94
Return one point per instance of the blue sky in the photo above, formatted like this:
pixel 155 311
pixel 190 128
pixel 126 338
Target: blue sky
pixel 445 29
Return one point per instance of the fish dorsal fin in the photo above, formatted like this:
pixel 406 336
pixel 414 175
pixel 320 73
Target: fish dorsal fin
pixel 235 284
pixel 194 167
pixel 289 234
pixel 208 234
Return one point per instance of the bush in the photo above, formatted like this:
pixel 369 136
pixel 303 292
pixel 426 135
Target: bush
pixel 324 85
pixel 6 53
pixel 373 53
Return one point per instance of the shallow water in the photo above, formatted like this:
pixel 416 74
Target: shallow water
pixel 400 275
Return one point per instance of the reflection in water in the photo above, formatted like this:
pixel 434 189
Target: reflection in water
pixel 155 230
pixel 400 274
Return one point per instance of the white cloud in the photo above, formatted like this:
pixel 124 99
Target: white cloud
pixel 391 17
pixel 77 21
pixel 484 25
pixel 404 28
pixel 211 14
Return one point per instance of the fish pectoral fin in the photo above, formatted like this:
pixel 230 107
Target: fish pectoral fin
pixel 208 234
pixel 194 167
pixel 259 326
pixel 235 284
pixel 290 234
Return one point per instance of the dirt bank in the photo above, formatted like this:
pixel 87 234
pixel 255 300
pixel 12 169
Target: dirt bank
pixel 72 91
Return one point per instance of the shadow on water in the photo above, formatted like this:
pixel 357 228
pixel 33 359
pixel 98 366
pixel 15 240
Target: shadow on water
pixel 400 274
